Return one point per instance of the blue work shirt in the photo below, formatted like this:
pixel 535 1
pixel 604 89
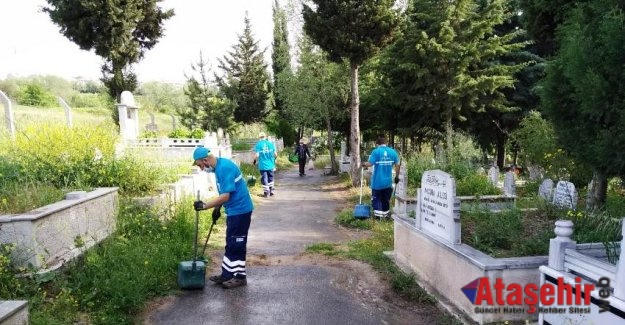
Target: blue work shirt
pixel 266 159
pixel 383 158
pixel 230 180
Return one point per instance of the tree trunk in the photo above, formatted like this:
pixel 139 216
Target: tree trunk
pixel 391 139
pixel 448 133
pixel 333 163
pixel 354 138
pixel 501 149
pixel 597 192
pixel 403 144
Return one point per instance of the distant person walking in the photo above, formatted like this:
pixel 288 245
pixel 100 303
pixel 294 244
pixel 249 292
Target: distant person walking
pixel 266 157
pixel 302 156
pixel 235 197
pixel 382 159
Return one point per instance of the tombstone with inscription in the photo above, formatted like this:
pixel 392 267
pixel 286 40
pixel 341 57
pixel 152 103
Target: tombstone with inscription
pixel 438 208
pixel 565 195
pixel 8 114
pixel 509 188
pixel 493 175
pixel 545 191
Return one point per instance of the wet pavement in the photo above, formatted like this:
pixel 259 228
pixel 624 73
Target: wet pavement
pixel 286 286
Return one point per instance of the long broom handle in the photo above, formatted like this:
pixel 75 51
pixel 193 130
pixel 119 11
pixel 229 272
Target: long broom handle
pixel 209 236
pixel 197 221
pixel 361 181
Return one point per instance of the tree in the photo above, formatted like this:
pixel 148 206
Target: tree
pixel 161 97
pixel 583 94
pixel 352 30
pixel 208 109
pixel 542 18
pixel 245 81
pixel 118 31
pixel 449 61
pixel 316 95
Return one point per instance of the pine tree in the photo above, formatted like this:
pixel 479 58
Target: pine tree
pixel 583 94
pixel 245 81
pixel 280 56
pixel 448 61
pixel 353 30
pixel 207 109
pixel 119 32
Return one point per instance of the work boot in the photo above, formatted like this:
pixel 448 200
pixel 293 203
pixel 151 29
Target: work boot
pixel 218 279
pixel 234 282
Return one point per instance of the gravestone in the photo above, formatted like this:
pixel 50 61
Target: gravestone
pixel 439 210
pixel 152 125
pixel 9 119
pixel 509 188
pixel 401 191
pixel 536 172
pixel 68 111
pixel 481 171
pixel 128 116
pixel 493 175
pixel 173 122
pixel 439 154
pixel 545 190
pixel 565 195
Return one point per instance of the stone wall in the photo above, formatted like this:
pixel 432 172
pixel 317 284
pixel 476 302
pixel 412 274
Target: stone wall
pixel 48 236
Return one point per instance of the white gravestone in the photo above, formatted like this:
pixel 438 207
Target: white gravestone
pixel 128 116
pixel 493 175
pixel 401 191
pixel 509 188
pixel 8 114
pixel 152 125
pixel 68 111
pixel 545 190
pixel 439 209
pixel 565 195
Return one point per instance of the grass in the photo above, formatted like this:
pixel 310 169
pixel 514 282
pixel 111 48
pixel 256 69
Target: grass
pixel 112 282
pixel 27 115
pixel 19 197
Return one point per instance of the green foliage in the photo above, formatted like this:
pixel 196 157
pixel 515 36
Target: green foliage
pixel 76 158
pixel 582 94
pixel 346 218
pixel 112 282
pixel 280 56
pixel 492 231
pixel 244 80
pixel 241 147
pixel 160 97
pixel 476 184
pixel 542 18
pixel 22 196
pixel 452 48
pixel 207 108
pixel 119 32
pixel 35 95
pixel 323 248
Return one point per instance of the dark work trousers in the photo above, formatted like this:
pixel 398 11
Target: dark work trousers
pixel 302 166
pixel 233 264
pixel 380 201
pixel 266 179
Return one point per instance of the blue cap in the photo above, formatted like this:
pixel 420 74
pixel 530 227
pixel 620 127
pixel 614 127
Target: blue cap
pixel 200 152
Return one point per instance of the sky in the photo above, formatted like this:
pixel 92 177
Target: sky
pixel 31 44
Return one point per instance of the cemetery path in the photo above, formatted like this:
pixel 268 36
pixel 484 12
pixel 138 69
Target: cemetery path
pixel 287 286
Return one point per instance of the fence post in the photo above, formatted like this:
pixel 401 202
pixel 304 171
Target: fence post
pixel 563 231
pixel 619 286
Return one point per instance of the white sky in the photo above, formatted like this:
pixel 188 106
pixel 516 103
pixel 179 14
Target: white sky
pixel 32 44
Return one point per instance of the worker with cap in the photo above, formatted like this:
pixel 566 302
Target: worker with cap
pixel 266 157
pixel 383 159
pixel 302 156
pixel 235 197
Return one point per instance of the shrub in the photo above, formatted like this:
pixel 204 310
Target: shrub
pixel 79 157
pixel 475 184
pixel 241 146
pixel 34 95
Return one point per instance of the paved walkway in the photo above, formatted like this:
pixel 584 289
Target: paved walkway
pixel 286 286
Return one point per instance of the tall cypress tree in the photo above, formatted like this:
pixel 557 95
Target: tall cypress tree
pixel 353 30
pixel 245 80
pixel 280 56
